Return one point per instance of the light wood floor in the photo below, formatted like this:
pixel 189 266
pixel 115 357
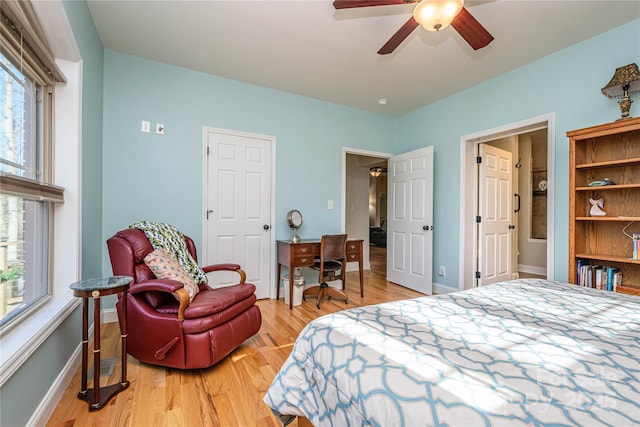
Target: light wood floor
pixel 228 394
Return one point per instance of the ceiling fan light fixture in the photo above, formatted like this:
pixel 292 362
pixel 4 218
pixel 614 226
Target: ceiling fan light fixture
pixel 377 171
pixel 435 15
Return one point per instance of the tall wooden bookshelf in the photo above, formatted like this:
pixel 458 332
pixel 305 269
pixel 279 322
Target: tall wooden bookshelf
pixel 611 151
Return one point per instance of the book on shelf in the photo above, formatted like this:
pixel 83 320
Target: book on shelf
pixel 617 280
pixel 579 272
pixel 587 276
pixel 601 277
pixel 610 272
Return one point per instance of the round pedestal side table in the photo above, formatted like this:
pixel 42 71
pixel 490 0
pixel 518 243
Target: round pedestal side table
pixel 95 289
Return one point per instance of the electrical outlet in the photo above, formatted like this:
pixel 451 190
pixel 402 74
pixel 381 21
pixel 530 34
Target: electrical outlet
pixel 330 204
pixel 442 271
pixel 159 128
pixel 145 126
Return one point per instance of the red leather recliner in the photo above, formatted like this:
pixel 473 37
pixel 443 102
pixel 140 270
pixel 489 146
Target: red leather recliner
pixel 163 327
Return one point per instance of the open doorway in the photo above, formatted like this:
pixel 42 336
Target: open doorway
pixel 525 210
pixel 409 213
pixel 365 202
pixel 544 211
pixel 378 217
pixel 378 204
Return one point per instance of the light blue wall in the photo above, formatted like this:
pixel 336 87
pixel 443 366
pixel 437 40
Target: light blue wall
pixel 566 83
pixel 92 86
pixel 159 177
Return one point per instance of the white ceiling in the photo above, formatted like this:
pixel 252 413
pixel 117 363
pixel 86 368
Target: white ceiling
pixel 308 48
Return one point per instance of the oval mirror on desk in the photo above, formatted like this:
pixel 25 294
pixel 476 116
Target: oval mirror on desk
pixel 294 219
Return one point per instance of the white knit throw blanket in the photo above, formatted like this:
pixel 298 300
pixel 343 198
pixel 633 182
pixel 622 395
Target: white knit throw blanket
pixel 170 239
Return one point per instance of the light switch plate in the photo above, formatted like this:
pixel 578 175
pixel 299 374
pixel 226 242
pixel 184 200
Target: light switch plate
pixel 159 128
pixel 145 126
pixel 330 204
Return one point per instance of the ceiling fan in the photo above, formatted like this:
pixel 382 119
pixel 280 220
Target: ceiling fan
pixel 433 15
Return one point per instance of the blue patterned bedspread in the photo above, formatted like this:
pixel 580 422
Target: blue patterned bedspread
pixel 524 352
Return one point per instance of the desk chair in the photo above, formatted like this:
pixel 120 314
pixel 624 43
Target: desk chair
pixel 332 255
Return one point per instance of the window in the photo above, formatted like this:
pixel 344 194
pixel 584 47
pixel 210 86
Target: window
pixel 27 192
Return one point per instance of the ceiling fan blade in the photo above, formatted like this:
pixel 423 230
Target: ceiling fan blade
pixel 471 30
pixel 348 4
pixel 399 36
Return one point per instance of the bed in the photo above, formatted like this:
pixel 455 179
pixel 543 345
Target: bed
pixel 523 352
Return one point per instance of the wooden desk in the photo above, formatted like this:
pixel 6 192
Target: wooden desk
pixel 304 253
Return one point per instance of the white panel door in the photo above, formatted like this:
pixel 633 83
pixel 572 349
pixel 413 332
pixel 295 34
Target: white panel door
pixel 238 207
pixel 495 209
pixel 410 220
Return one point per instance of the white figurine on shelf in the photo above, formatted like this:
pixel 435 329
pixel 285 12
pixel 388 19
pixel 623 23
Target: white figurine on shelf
pixel 596 207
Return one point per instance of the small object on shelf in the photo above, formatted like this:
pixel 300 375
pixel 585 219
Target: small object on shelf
pixel 601 183
pixel 596 207
pixel 542 185
pixel 635 241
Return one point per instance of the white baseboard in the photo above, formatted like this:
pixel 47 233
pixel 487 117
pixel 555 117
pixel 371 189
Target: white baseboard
pixel 443 289
pixel 50 401
pixel 532 269
pixel 438 288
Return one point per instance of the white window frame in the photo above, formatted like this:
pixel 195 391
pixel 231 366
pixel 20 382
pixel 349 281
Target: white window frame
pixel 22 340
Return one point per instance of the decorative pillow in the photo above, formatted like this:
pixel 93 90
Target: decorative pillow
pixel 169 238
pixel 165 266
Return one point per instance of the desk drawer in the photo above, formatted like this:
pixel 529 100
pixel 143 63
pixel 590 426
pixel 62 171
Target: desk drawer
pixel 303 254
pixel 302 249
pixel 354 253
pixel 303 260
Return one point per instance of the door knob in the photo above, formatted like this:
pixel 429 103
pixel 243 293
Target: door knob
pixel 425 228
pixel 266 226
pixel 512 227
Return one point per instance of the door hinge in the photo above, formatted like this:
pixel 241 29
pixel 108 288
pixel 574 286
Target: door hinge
pixel 478 218
pixel 207 150
pixel 478 159
pixel 477 274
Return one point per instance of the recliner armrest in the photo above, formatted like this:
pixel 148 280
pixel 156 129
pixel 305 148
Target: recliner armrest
pixel 162 285
pixel 165 285
pixel 226 267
